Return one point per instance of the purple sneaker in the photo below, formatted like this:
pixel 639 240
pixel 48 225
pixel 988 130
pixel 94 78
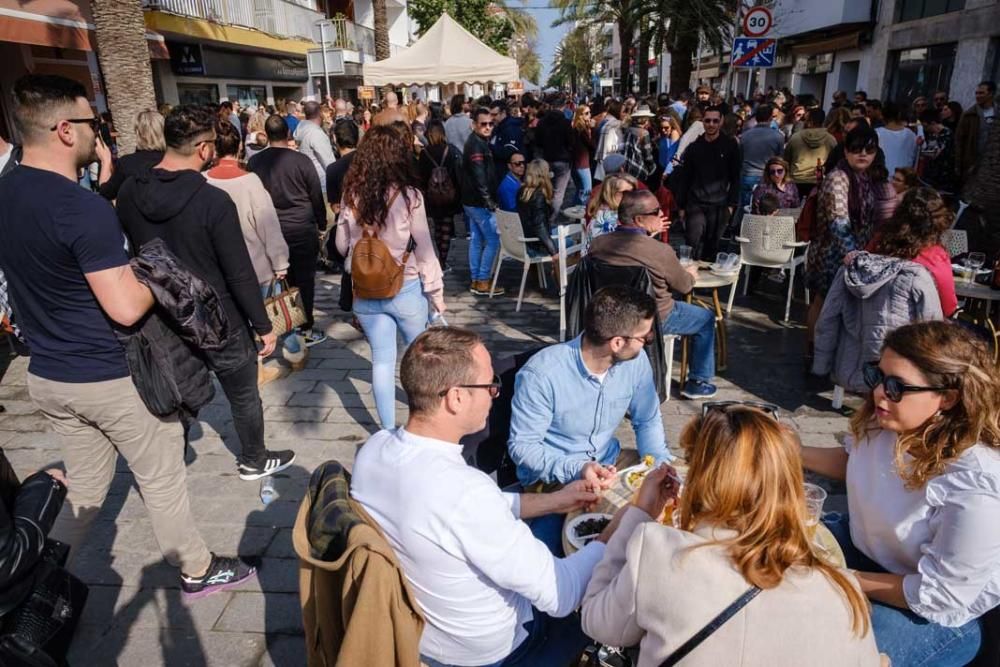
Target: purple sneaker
pixel 223 574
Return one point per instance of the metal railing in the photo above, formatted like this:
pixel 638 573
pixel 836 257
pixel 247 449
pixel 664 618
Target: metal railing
pixel 277 17
pixel 348 35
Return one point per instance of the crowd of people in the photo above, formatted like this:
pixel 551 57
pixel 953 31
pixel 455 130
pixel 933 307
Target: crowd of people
pixel 131 290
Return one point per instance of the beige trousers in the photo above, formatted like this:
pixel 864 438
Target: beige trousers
pixel 98 421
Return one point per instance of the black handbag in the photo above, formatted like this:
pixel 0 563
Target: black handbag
pixel 38 631
pixel 682 651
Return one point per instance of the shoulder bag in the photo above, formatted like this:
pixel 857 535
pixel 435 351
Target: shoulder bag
pixel 284 307
pixel 684 649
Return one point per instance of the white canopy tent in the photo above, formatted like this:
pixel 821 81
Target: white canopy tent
pixel 447 53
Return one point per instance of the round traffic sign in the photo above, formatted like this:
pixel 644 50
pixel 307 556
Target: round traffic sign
pixel 757 22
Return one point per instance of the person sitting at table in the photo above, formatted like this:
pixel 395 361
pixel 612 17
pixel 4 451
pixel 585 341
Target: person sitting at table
pixel 569 398
pixel 741 526
pixel 777 182
pixel 602 213
pixel 922 468
pixel 490 592
pixel 632 244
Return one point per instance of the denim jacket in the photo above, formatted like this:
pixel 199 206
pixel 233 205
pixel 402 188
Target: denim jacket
pixel 563 416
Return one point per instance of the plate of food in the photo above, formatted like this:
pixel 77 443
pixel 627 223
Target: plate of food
pixel 632 477
pixel 583 529
pixel 724 271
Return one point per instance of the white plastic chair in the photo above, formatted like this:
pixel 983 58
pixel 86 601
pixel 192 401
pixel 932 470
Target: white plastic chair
pixel 567 247
pixel 956 242
pixel 668 353
pixel 769 241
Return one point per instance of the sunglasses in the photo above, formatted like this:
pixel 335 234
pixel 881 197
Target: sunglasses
pixel 893 386
pixel 867 150
pixel 95 123
pixel 493 387
pixel 487 124
pixel 776 172
pixel 519 163
pixel 710 121
pixel 723 406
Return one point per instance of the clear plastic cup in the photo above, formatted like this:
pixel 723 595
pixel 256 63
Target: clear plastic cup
pixel 815 499
pixel 684 254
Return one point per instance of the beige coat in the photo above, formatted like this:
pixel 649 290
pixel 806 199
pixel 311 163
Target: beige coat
pixel 644 591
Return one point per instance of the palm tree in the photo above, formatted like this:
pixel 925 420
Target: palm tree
pixel 623 13
pixel 122 52
pixel 678 26
pixel 382 50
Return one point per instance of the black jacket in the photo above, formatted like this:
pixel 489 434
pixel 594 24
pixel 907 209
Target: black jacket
pixel 27 512
pixel 452 162
pixel 709 173
pixel 200 225
pixel 291 179
pixel 507 139
pixel 130 165
pixel 479 182
pixel 535 214
pixel 554 137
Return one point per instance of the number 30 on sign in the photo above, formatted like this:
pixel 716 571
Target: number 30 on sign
pixel 757 22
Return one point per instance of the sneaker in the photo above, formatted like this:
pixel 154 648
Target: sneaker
pixel 223 573
pixel 482 288
pixel 695 389
pixel 313 337
pixel 273 462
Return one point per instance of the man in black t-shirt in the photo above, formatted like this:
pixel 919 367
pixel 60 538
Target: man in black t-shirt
pixel 65 258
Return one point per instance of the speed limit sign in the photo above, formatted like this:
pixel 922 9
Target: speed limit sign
pixel 757 22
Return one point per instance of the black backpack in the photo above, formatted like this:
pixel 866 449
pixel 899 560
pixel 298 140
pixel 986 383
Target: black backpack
pixel 441 190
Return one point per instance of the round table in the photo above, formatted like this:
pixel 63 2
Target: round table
pixel 977 291
pixel 620 495
pixel 709 281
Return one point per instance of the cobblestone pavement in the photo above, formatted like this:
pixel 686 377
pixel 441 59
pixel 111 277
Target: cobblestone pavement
pixel 135 615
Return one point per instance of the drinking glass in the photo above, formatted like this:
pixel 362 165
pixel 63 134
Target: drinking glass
pixel 815 498
pixel 974 261
pixel 684 253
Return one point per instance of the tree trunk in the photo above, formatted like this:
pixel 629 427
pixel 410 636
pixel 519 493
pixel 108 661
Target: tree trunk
pixel 382 50
pixel 625 40
pixel 120 31
pixel 642 58
pixel 682 54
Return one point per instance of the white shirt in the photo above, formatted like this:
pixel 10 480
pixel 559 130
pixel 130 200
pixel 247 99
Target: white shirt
pixel 944 538
pixel 6 156
pixel 899 146
pixel 475 568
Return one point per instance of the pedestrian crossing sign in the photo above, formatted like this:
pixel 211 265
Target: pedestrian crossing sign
pixel 754 52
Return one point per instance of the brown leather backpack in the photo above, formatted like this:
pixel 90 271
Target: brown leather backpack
pixel 375 273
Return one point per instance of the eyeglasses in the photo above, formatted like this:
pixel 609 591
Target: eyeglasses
pixel 893 386
pixel 723 406
pixel 95 123
pixel 867 150
pixel 776 172
pixel 493 387
pixel 519 163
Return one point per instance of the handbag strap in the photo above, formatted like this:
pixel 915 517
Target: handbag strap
pixel 682 651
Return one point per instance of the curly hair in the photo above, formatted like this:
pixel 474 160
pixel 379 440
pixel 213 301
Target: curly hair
pixel 382 163
pixel 949 356
pixel 918 223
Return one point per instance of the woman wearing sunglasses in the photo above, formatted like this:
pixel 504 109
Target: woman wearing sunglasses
pixel 922 468
pixel 777 181
pixel 742 527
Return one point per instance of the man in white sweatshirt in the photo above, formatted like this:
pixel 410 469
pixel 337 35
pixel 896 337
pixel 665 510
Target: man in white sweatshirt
pixel 897 141
pixel 489 590
pixel 313 141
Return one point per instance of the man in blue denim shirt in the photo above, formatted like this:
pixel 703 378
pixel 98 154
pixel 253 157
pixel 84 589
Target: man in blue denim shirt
pixel 569 398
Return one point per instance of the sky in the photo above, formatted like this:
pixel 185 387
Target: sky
pixel 548 37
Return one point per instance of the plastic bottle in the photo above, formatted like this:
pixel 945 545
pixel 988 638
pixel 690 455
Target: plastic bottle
pixel 267 491
pixel 437 320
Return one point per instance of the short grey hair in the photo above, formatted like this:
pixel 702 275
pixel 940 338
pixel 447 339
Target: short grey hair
pixel 635 202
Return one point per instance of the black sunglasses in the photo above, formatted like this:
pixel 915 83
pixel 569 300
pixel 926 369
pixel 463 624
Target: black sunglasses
pixel 95 123
pixel 723 406
pixel 868 150
pixel 893 386
pixel 519 163
pixel 493 387
pixel 487 124
pixel 775 172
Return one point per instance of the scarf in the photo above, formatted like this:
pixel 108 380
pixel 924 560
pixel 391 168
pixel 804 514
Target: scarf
pixel 860 199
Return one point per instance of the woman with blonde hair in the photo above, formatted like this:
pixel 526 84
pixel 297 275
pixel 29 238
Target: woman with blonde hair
pixel 149 147
pixel 777 181
pixel 922 469
pixel 741 544
pixel 603 210
pixel 534 206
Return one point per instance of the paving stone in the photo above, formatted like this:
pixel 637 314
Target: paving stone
pixel 287 414
pixel 276 613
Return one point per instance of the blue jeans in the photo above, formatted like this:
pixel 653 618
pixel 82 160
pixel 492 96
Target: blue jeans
pixel 584 184
pixel 550 641
pixel 380 318
pixel 289 341
pixel 908 639
pixel 747 184
pixel 699 323
pixel 485 241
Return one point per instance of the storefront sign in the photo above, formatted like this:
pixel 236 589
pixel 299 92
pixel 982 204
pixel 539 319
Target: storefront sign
pixel 254 66
pixel 366 92
pixel 821 63
pixel 515 88
pixel 186 59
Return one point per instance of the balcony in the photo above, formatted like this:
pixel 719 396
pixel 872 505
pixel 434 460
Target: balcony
pixel 356 41
pixel 275 17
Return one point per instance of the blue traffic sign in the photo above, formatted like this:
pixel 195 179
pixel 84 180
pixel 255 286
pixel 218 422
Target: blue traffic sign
pixel 754 52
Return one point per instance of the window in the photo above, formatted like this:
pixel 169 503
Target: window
pixel 197 93
pixel 910 10
pixel 247 96
pixel 921 71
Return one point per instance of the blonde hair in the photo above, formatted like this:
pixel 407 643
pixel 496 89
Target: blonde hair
pixel 746 475
pixel 536 178
pixel 611 190
pixel 149 131
pixel 949 356
pixel 580 123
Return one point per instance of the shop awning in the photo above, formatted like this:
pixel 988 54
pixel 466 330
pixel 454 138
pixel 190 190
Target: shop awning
pixel 200 29
pixel 23 27
pixel 848 40
pixel 446 53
